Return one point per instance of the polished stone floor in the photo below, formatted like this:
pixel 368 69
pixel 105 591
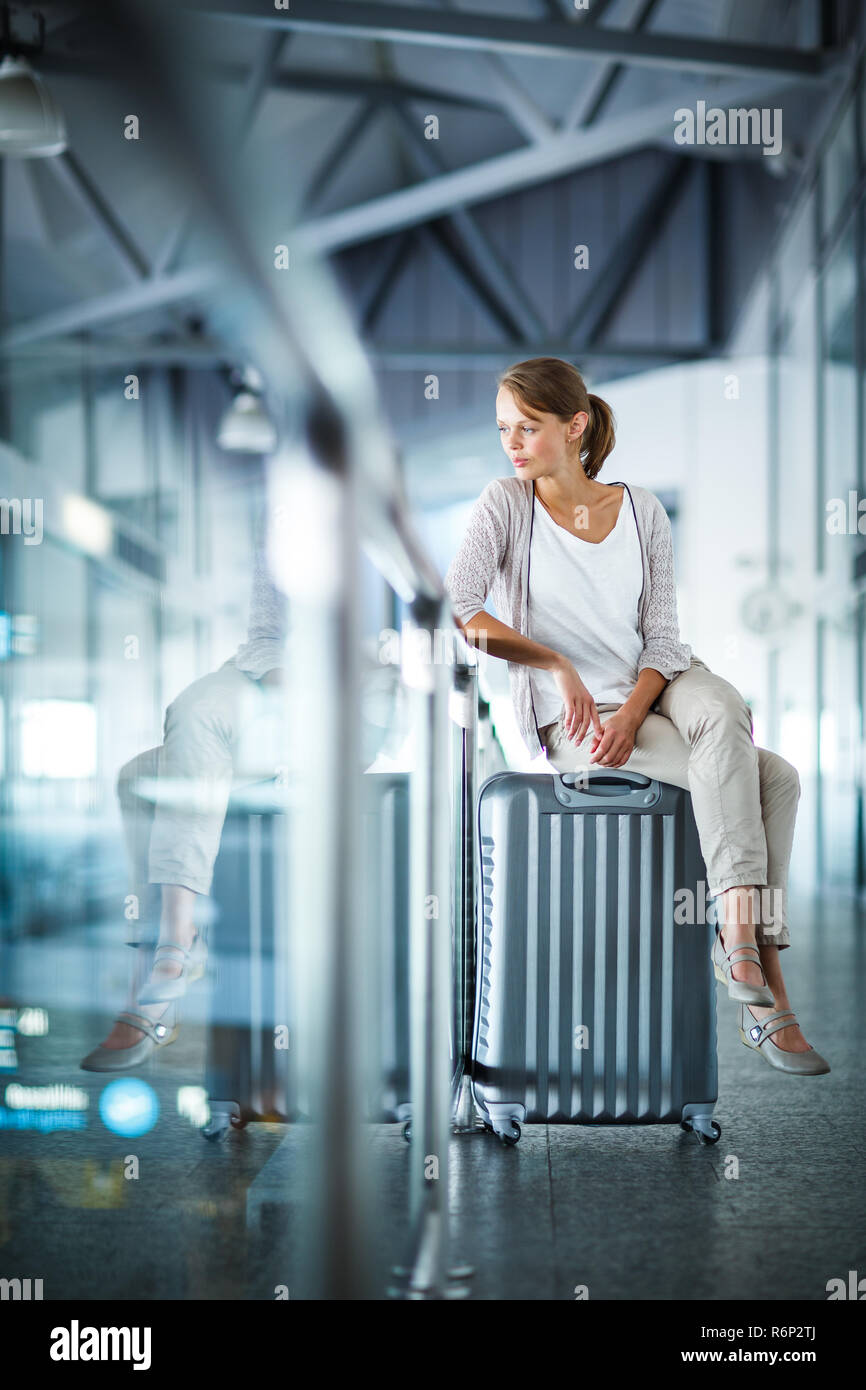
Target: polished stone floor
pixel 627 1213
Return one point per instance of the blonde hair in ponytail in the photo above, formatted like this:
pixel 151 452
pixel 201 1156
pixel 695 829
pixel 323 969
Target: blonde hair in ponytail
pixel 555 387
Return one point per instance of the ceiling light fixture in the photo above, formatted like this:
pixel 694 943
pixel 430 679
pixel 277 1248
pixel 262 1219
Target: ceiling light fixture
pixel 31 125
pixel 246 427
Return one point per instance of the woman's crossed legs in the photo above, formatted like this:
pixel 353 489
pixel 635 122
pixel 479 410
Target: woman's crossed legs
pixel 217 731
pixel 699 736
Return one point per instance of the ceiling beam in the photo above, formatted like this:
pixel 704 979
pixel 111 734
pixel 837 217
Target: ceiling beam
pixel 139 298
pixel 486 268
pixel 535 38
pixel 516 100
pixel 522 168
pixel 70 173
pixel 596 10
pixel 94 67
pixel 74 178
pixel 595 312
pixel 460 239
pixel 444 357
pixel 348 136
pixel 256 85
pixel 371 300
pixel 595 93
pixel 421 202
pixel 440 234
pixel 52 358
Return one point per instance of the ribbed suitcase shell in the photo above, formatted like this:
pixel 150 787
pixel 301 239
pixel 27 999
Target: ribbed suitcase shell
pixel 576 927
pixel 251 992
pixel 253 979
pixel 385 851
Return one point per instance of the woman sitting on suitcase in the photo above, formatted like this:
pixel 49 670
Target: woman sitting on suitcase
pixel 604 681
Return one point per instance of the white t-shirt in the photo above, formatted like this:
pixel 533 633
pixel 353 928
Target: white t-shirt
pixel 583 602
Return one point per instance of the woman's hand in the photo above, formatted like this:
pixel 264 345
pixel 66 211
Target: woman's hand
pixel 579 707
pixel 616 743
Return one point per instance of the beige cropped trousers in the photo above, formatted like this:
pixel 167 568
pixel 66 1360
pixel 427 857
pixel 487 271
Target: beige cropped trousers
pixel 698 736
pixel 223 732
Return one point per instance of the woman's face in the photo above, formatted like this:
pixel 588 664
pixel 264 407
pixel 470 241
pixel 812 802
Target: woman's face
pixel 535 442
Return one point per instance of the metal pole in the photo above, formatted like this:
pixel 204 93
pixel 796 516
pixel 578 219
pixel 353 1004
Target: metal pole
pixel 318 512
pixel 464 712
pixel 428 1275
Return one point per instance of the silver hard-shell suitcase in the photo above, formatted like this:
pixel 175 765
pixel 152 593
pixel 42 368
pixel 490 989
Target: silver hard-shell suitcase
pixel 385 850
pixel 250 1063
pixel 594 1004
pixel 252 1002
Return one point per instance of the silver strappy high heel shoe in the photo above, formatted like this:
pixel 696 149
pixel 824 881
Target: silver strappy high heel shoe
pixel 723 964
pixel 754 1033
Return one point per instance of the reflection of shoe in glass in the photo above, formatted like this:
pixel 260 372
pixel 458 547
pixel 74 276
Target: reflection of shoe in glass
pixel 754 1033
pixel 192 963
pixel 158 1034
pixel 737 990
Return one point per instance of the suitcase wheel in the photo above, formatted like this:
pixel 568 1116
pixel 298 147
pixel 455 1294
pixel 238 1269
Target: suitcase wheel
pixel 511 1136
pixel 707 1134
pixel 217 1129
pixel 407 1131
pixel 225 1115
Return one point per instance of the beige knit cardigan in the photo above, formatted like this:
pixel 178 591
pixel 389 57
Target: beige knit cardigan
pixel 493 558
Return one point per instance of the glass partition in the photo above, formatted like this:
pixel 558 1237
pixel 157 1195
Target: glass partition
pixel 839 749
pixel 797 442
pixel 839 407
pixel 839 168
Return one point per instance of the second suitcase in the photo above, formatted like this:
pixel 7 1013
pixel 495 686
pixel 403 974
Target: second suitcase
pixel 593 1005
pixel 250 1065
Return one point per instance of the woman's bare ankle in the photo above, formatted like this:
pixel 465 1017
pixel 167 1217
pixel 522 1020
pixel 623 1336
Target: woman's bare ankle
pixel 182 933
pixel 121 1036
pixel 745 968
pixel 789 1038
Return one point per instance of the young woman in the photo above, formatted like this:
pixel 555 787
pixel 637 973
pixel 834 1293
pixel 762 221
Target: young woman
pixel 604 681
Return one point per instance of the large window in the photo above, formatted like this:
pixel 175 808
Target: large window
pixel 838 169
pixel 839 471
pixel 796 444
pixel 50 428
pixel 839 728
pixel 124 476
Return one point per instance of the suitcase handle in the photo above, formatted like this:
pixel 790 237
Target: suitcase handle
pixel 606 783
pixel 626 787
